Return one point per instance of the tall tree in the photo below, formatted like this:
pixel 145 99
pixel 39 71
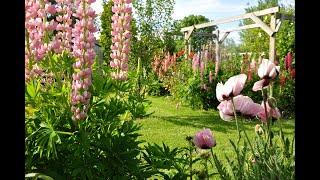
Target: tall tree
pixel 153 19
pixel 105 36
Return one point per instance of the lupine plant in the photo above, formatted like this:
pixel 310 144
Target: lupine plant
pixel 75 127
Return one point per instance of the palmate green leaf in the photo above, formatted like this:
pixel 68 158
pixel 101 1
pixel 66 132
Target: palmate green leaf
pixel 38 176
pixel 33 88
pixel 45 139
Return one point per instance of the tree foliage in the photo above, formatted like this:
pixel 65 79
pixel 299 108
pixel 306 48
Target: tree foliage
pixel 191 20
pixel 105 36
pixel 153 20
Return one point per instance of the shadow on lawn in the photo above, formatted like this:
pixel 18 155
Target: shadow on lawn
pixel 214 122
pixel 211 121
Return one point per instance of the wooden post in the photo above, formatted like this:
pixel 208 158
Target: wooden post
pixel 189 46
pixel 185 45
pixel 217 54
pixel 272 50
pixel 272 45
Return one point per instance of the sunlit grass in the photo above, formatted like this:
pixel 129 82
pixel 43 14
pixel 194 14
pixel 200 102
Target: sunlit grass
pixel 171 125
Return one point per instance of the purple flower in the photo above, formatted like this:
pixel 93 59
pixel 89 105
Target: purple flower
pixel 204 139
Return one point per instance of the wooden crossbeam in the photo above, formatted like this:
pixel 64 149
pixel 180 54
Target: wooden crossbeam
pixel 224 37
pixel 188 34
pixel 278 25
pixel 231 19
pixel 263 25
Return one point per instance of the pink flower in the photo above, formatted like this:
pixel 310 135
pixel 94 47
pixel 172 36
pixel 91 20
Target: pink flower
pixel 50 8
pixel 293 73
pixel 84 53
pixel 267 71
pixel 231 88
pixel 246 106
pixel 204 139
pixel 196 61
pixel 243 104
pixel 201 69
pixel 272 112
pixel 288 61
pixel 226 110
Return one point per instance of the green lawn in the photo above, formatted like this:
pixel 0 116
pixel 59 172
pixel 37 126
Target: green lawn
pixel 171 125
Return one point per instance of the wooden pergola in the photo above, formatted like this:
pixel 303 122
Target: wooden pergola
pixel 221 35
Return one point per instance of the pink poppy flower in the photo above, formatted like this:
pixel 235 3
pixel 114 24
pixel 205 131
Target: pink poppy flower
pixel 267 71
pixel 231 88
pixel 243 104
pixel 204 139
pixel 272 112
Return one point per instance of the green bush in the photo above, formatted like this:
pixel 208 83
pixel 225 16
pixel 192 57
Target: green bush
pixel 286 98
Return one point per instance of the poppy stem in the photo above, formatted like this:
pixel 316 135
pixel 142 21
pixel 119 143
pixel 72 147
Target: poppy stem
pixel 265 98
pixel 271 89
pixel 190 162
pixel 235 116
pixel 265 104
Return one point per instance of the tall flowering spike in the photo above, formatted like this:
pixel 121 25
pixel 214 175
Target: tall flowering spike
pixel 64 25
pixel 35 30
pixel 121 36
pixel 293 73
pixel 196 61
pixel 36 27
pixel 204 139
pixel 83 43
pixel 44 33
pixel 202 67
pixel 288 61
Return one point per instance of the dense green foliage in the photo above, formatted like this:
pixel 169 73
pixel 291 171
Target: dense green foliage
pixel 105 36
pixel 153 19
pixel 196 40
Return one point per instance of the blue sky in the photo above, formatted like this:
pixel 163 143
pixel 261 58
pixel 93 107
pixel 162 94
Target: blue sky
pixel 212 9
